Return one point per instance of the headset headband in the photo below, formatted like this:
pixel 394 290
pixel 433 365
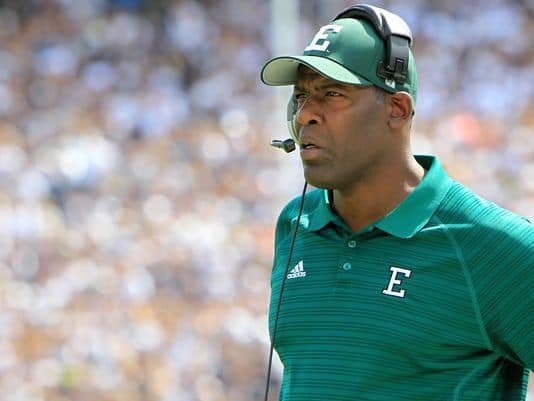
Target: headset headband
pixel 395 33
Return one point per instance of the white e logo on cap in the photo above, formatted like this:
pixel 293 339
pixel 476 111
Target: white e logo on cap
pixel 319 41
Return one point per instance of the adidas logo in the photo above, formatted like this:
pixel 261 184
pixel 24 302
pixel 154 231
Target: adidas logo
pixel 297 271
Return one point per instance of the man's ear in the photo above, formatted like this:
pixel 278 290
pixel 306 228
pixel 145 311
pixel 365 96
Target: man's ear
pixel 400 109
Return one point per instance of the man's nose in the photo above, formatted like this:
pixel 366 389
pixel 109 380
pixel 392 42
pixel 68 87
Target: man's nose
pixel 309 112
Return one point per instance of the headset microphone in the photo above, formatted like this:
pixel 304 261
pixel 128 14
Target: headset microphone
pixel 287 144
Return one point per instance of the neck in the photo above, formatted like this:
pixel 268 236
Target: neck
pixel 371 200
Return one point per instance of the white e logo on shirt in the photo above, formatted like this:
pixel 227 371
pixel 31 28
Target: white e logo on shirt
pixel 319 41
pixel 393 281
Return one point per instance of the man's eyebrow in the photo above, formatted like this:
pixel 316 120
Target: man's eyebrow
pixel 323 86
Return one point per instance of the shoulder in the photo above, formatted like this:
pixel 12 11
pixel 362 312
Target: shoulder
pixel 483 227
pixel 288 216
pixel 291 209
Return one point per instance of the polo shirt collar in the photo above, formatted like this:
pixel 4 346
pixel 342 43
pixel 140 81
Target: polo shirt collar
pixel 323 214
pixel 410 216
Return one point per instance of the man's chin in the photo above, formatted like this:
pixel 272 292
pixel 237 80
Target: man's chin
pixel 314 178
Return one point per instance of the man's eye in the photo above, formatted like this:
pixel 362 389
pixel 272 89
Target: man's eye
pixel 333 93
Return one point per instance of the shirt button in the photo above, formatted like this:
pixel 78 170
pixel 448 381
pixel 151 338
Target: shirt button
pixel 347 266
pixel 352 244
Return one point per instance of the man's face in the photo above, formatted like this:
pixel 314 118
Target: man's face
pixel 342 130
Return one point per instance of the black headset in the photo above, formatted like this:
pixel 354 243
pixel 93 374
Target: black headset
pixel 397 38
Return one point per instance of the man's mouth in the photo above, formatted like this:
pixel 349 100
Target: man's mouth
pixel 310 152
pixel 308 145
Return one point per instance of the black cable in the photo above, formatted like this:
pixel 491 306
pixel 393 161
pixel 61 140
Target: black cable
pixel 275 327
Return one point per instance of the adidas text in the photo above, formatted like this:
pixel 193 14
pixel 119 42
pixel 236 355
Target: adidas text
pixel 297 271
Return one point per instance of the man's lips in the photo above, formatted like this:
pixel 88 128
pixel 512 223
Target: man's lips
pixel 311 146
pixel 305 146
pixel 310 151
pixel 308 143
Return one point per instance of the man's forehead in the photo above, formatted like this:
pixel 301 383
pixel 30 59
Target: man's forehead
pixel 307 73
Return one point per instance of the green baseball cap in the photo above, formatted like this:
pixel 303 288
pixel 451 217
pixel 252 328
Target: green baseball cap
pixel 348 50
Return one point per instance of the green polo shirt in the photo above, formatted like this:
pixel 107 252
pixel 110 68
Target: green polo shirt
pixel 432 302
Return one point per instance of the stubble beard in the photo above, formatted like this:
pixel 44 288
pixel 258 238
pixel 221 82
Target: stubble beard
pixel 324 175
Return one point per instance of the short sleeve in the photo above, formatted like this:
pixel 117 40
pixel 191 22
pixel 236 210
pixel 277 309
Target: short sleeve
pixel 503 279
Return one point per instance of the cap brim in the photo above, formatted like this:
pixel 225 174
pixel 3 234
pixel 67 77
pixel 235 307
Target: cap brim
pixel 283 70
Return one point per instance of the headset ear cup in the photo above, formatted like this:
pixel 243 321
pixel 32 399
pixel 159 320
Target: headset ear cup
pixel 292 108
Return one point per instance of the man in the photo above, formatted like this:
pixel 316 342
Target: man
pixel 402 284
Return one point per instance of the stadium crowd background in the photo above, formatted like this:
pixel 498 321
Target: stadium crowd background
pixel 138 193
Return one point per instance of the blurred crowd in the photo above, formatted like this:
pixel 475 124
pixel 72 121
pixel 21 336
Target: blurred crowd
pixel 138 193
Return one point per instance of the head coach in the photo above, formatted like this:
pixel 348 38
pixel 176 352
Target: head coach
pixel 390 281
